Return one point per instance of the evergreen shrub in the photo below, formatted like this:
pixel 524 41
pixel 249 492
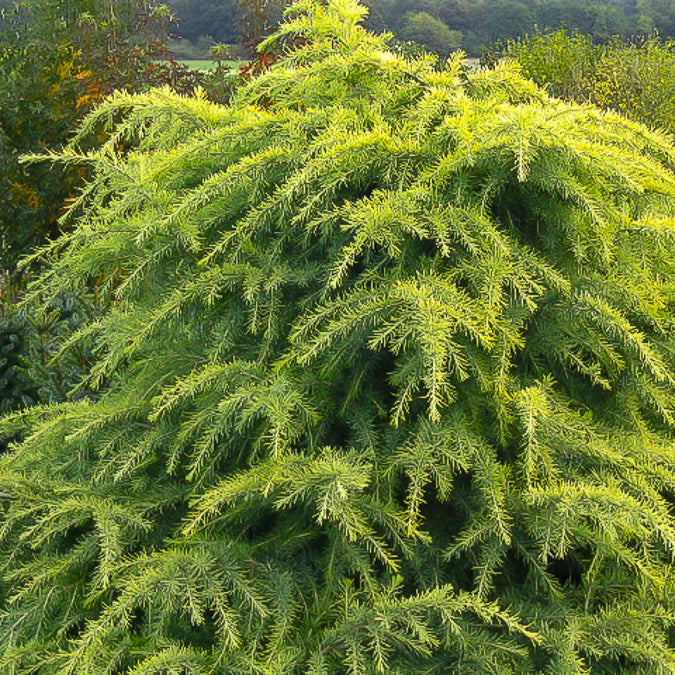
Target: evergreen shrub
pixel 384 381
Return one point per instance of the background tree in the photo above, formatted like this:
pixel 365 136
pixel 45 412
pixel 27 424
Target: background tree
pixel 256 19
pixel 481 23
pixel 57 59
pixel 431 33
pixel 573 15
pixel 658 14
pixel 384 382
pixel 216 19
pixel 607 22
pixel 636 79
pixel 456 14
pixel 505 19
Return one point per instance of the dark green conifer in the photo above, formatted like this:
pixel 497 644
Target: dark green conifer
pixel 385 382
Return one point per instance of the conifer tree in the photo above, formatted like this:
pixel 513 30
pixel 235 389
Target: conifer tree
pixel 383 381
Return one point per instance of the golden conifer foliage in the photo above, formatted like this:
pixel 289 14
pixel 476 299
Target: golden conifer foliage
pixel 385 383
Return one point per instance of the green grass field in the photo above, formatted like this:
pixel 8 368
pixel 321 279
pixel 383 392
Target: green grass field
pixel 207 64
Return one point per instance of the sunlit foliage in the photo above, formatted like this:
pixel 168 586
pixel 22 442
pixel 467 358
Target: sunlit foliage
pixel 384 382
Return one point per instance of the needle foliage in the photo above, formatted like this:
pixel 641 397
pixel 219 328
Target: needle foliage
pixel 384 382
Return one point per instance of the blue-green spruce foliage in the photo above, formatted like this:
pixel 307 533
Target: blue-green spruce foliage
pixel 384 382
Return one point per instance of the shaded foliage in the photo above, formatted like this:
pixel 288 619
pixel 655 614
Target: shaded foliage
pixel 256 19
pixel 426 30
pixel 57 60
pixel 480 22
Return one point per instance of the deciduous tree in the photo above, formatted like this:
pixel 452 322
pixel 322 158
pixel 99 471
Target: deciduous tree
pixel 431 33
pixel 636 79
pixel 256 19
pixel 57 59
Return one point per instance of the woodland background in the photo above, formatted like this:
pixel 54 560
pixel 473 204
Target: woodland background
pixel 441 25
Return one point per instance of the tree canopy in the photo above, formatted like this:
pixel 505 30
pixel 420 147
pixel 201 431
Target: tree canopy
pixel 433 34
pixel 57 59
pixel 636 79
pixel 477 22
pixel 383 380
